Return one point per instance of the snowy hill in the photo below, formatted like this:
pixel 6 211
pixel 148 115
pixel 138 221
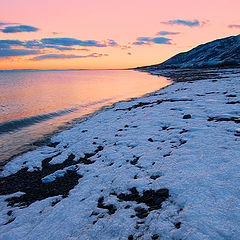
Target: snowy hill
pixel 221 52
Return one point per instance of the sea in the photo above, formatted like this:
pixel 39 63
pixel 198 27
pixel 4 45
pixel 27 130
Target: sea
pixel 34 105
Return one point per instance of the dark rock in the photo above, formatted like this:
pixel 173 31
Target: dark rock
pixel 154 177
pixel 35 189
pixel 54 144
pixel 233 102
pixel 182 141
pixel 231 95
pixel 153 199
pixel 130 237
pixel 31 183
pixel 55 202
pixel 150 104
pixel 94 213
pixel 135 160
pixel 178 225
pixel 225 119
pixel 187 116
pixel 167 155
pixel 9 221
pixel 183 131
pixel 155 236
pixel 111 208
pixel 150 140
pixel 9 213
pixel 141 212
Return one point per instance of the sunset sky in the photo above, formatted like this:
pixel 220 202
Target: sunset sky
pixel 103 34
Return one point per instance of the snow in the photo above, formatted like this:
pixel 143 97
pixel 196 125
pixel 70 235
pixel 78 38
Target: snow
pixel 148 146
pixel 57 174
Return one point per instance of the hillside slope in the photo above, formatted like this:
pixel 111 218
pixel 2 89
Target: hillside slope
pixel 221 52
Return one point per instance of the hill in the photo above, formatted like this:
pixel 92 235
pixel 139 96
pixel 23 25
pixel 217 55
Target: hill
pixel 221 52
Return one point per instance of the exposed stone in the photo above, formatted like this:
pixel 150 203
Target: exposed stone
pixel 110 207
pixel 187 116
pixel 177 225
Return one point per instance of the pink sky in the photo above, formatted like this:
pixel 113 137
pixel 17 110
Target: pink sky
pixel 121 21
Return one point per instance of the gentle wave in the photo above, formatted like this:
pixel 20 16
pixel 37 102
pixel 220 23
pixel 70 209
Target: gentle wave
pixel 28 121
pixel 17 124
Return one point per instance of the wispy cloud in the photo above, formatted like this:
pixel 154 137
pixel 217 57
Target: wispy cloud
pixel 9 43
pixel 19 28
pixel 10 48
pixel 7 23
pixel 66 56
pixel 164 33
pixel 112 43
pixel 234 26
pixel 5 52
pixel 148 40
pixel 35 44
pixel 6 49
pixel 189 23
pixel 72 42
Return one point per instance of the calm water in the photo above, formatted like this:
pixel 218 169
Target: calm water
pixel 33 105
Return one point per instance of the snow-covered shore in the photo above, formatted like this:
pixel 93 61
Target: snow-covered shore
pixel 165 166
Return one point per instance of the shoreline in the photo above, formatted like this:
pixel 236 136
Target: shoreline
pixel 147 167
pixel 44 138
pixel 47 138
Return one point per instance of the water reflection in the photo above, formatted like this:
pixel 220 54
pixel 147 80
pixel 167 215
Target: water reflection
pixel 33 104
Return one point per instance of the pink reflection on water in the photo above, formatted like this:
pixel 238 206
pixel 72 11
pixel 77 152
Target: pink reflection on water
pixel 35 94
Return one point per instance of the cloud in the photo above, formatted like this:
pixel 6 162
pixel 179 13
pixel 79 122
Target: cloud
pixel 164 33
pixel 156 40
pixel 65 56
pixel 71 42
pixel 234 26
pixel 6 23
pixel 129 53
pixel 8 52
pixel 51 44
pixel 83 49
pixel 9 43
pixel 188 23
pixel 6 49
pixel 19 28
pixel 33 44
pixel 112 43
pixel 139 43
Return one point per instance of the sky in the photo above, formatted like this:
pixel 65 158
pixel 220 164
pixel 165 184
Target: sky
pixel 108 34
